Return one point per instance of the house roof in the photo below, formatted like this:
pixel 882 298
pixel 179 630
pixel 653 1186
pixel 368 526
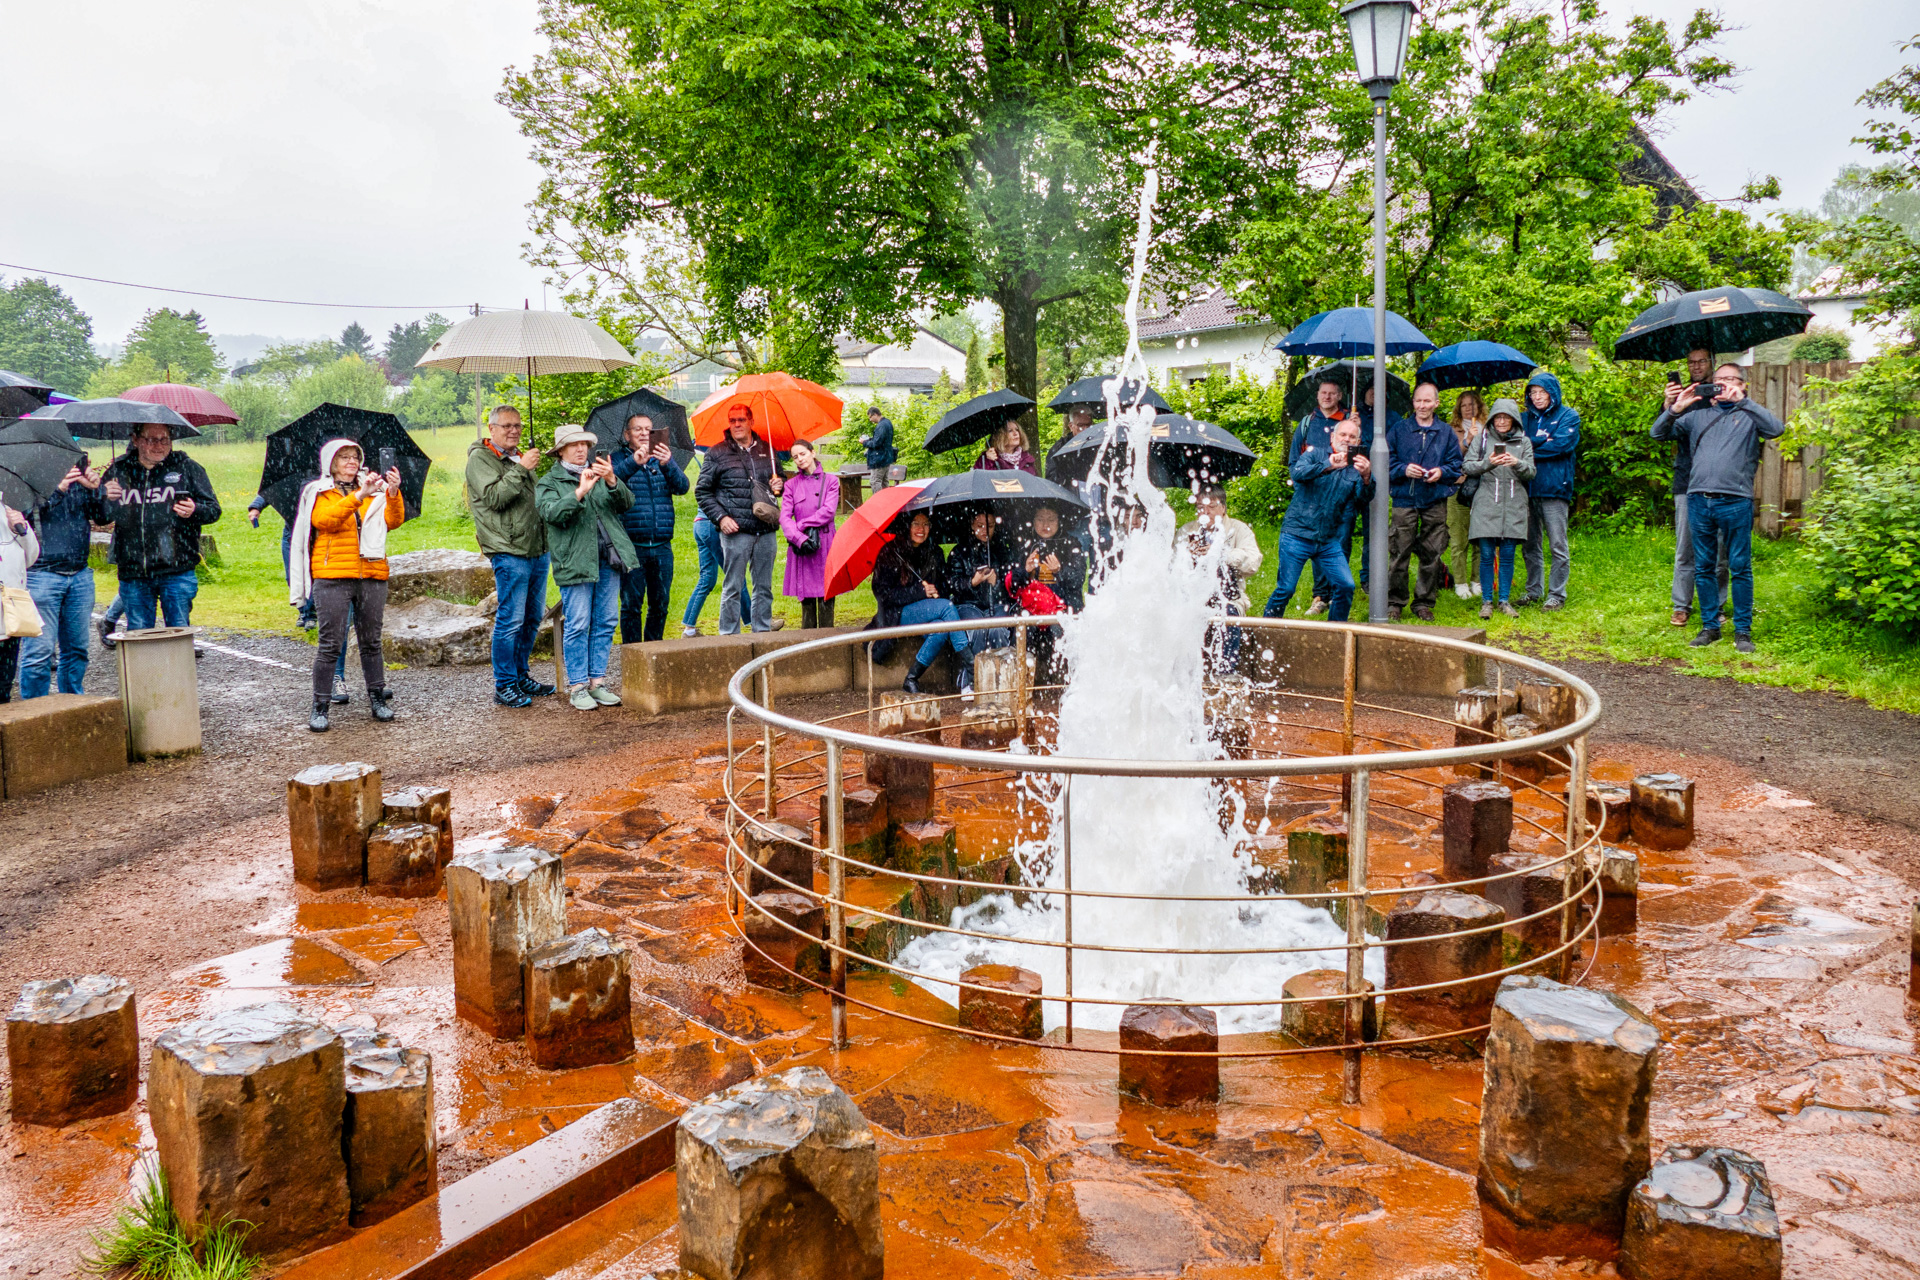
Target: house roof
pixel 1651 168
pixel 1208 307
pixel 1827 285
pixel 891 376
pixel 848 347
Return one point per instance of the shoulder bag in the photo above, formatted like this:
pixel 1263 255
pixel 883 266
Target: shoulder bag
pixel 21 619
pixel 1471 485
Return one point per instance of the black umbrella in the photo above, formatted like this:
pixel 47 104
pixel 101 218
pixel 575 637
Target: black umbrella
pixel 293 454
pixel 1092 392
pixel 953 501
pixel 114 419
pixel 1300 400
pixel 1726 319
pixel 35 455
pixel 608 422
pixel 21 395
pixel 1180 451
pixel 975 419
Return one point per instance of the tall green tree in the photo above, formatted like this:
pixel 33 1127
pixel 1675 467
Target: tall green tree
pixel 178 343
pixel 44 334
pixel 407 343
pixel 355 341
pixel 1881 253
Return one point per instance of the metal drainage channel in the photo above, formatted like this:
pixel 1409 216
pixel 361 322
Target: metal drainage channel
pixel 1394 758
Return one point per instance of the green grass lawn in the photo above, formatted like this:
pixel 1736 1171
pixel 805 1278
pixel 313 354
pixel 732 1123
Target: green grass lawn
pixel 1617 604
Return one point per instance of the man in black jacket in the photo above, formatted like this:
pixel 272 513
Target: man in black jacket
pixel 158 499
pixel 61 584
pixel 655 478
pixel 737 473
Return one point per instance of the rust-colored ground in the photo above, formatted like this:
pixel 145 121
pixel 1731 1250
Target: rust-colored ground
pixel 1772 954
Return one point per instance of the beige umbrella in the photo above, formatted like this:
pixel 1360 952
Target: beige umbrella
pixel 526 342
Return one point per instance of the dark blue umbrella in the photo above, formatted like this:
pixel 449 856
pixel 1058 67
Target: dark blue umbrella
pixel 1348 332
pixel 1474 364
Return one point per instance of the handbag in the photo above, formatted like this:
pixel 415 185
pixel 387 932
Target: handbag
pixel 21 618
pixel 1471 485
pixel 764 509
pixel 809 545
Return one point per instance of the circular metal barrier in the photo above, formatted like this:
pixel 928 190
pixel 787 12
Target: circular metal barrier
pixel 784 747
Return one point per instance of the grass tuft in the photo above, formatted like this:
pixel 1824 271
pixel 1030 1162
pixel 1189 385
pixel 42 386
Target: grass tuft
pixel 148 1242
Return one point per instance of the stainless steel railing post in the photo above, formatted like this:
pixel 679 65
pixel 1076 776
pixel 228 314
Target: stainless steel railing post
pixel 1356 932
pixel 836 894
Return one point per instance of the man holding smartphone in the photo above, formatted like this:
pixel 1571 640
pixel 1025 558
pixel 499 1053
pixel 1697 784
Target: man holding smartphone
pixel 1722 433
pixel 61 584
pixel 648 469
pixel 510 533
pixel 1699 370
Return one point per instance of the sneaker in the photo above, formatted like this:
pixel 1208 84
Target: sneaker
pixel 1423 613
pixel 382 700
pixel 1705 638
pixel 687 633
pixel 340 698
pixel 581 700
pixel 1393 613
pixel 603 695
pixel 106 633
pixel 1486 609
pixel 776 624
pixel 534 689
pixel 1317 608
pixel 1509 610
pixel 1681 617
pixel 1554 606
pixel 1475 588
pixel 1527 600
pixel 1462 590
pixel 1743 642
pixel 510 695
pixel 318 721
pixel 966 682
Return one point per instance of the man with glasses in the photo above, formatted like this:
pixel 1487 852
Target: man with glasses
pixel 508 527
pixel 1723 436
pixel 739 490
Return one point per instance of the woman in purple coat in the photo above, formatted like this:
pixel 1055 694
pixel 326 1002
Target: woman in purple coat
pixel 807 507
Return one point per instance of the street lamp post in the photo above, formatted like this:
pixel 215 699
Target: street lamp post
pixel 1379 30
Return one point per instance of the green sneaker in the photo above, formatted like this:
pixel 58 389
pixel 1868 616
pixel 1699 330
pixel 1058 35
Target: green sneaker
pixel 603 695
pixel 582 700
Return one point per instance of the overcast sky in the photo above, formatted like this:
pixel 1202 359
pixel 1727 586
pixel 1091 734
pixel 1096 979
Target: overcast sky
pixel 352 152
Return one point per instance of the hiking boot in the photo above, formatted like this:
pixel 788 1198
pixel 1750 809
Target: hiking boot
pixel 1393 613
pixel 511 695
pixel 1527 600
pixel 382 700
pixel 1743 642
pixel 1509 610
pixel 1705 638
pixel 340 698
pixel 603 695
pixel 1681 617
pixel 1423 613
pixel 106 633
pixel 581 700
pixel 1554 606
pixel 1317 608
pixel 318 721
pixel 534 688
pixel 1486 609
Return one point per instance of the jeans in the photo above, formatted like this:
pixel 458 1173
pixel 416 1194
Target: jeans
pixel 1329 564
pixel 336 600
pixel 590 609
pixel 1715 516
pixel 1323 586
pixel 1501 550
pixel 936 610
pixel 1684 559
pixel 1421 531
pixel 706 540
pixel 643 593
pixel 65 601
pixel 738 552
pixel 816 612
pixel 988 637
pixel 1549 521
pixel 9 662
pixel 520 591
pixel 171 595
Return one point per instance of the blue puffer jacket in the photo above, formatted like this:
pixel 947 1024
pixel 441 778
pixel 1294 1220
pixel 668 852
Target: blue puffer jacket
pixel 654 485
pixel 1317 429
pixel 61 523
pixel 1409 443
pixel 1323 497
pixel 1555 436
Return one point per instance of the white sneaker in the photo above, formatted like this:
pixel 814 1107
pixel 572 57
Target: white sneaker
pixel 1476 589
pixel 1460 589
pixel 689 631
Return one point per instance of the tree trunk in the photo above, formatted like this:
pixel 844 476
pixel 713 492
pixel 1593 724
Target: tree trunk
pixel 1020 335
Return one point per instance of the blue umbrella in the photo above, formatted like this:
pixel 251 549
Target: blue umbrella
pixel 1474 364
pixel 1348 332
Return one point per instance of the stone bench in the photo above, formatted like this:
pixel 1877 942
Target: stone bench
pixel 61 738
pixel 1315 659
pixel 691 673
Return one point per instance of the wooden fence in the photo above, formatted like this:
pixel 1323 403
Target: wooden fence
pixel 1783 483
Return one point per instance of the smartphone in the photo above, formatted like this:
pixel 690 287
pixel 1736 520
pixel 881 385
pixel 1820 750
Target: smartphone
pixel 1674 379
pixel 1707 390
pixel 388 460
pixel 656 438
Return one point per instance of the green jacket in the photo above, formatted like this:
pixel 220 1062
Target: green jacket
pixel 571 535
pixel 500 495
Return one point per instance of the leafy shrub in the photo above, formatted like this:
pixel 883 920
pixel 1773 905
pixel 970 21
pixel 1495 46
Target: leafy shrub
pixel 1820 344
pixel 1624 477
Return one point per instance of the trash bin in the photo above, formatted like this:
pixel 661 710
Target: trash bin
pixel 161 691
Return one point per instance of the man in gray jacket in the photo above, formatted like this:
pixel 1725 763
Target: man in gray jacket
pixel 1723 435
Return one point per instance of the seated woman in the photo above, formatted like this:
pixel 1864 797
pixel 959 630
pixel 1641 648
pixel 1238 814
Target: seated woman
pixel 339 554
pixel 976 580
pixel 907 581
pixel 1007 451
pixel 1056 562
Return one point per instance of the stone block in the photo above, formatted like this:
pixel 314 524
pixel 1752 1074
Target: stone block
pixel 996 681
pixel 1609 810
pixel 1532 766
pixel 924 848
pixel 1563 1118
pixel 579 1001
pixel 775 952
pixel 908 785
pixel 430 632
pixel 686 674
pixel 983 729
pixel 1317 854
pixel 1551 704
pixel 403 861
pixel 73 1050
pixel 1009 1005
pixel 1149 1034
pixel 1663 811
pixel 1476 824
pixel 392 1155
pixel 439 572
pixel 1323 1021
pixel 777 849
pixel 1537 884
pixel 330 810
pixel 904 715
pixel 1267 862
pixel 61 738
pixel 502 904
pixel 248 1108
pixel 1702 1213
pixel 1452 954
pixel 429 806
pixel 863 818
pixel 779 1179
pixel 1619 890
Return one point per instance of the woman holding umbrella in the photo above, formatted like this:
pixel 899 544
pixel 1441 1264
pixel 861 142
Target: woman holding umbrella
pixel 807 503
pixel 1007 451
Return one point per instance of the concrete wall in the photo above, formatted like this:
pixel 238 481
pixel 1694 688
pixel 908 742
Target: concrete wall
pixel 1314 658
pixel 64 737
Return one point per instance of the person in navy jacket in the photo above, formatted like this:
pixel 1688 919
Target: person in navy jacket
pixel 1553 429
pixel 648 469
pixel 1316 429
pixel 1424 464
pixel 1330 482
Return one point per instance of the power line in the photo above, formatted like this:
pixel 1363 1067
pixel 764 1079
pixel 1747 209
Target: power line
pixel 241 297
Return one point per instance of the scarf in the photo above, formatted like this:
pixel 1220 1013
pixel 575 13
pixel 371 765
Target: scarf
pixel 373 533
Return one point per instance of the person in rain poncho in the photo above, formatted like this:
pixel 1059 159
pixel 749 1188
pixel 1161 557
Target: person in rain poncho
pixel 1503 459
pixel 340 556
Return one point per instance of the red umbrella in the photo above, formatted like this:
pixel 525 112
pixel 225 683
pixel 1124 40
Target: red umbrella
pixel 858 542
pixel 201 408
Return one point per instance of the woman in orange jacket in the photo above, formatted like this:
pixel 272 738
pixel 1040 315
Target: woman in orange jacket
pixel 340 549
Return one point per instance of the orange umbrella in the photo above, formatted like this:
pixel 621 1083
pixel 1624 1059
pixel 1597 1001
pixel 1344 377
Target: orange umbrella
pixel 785 409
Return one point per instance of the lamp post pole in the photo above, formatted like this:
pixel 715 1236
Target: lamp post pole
pixel 1379 517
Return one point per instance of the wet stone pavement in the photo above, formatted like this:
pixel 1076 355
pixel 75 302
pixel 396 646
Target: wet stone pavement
pixel 1773 964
